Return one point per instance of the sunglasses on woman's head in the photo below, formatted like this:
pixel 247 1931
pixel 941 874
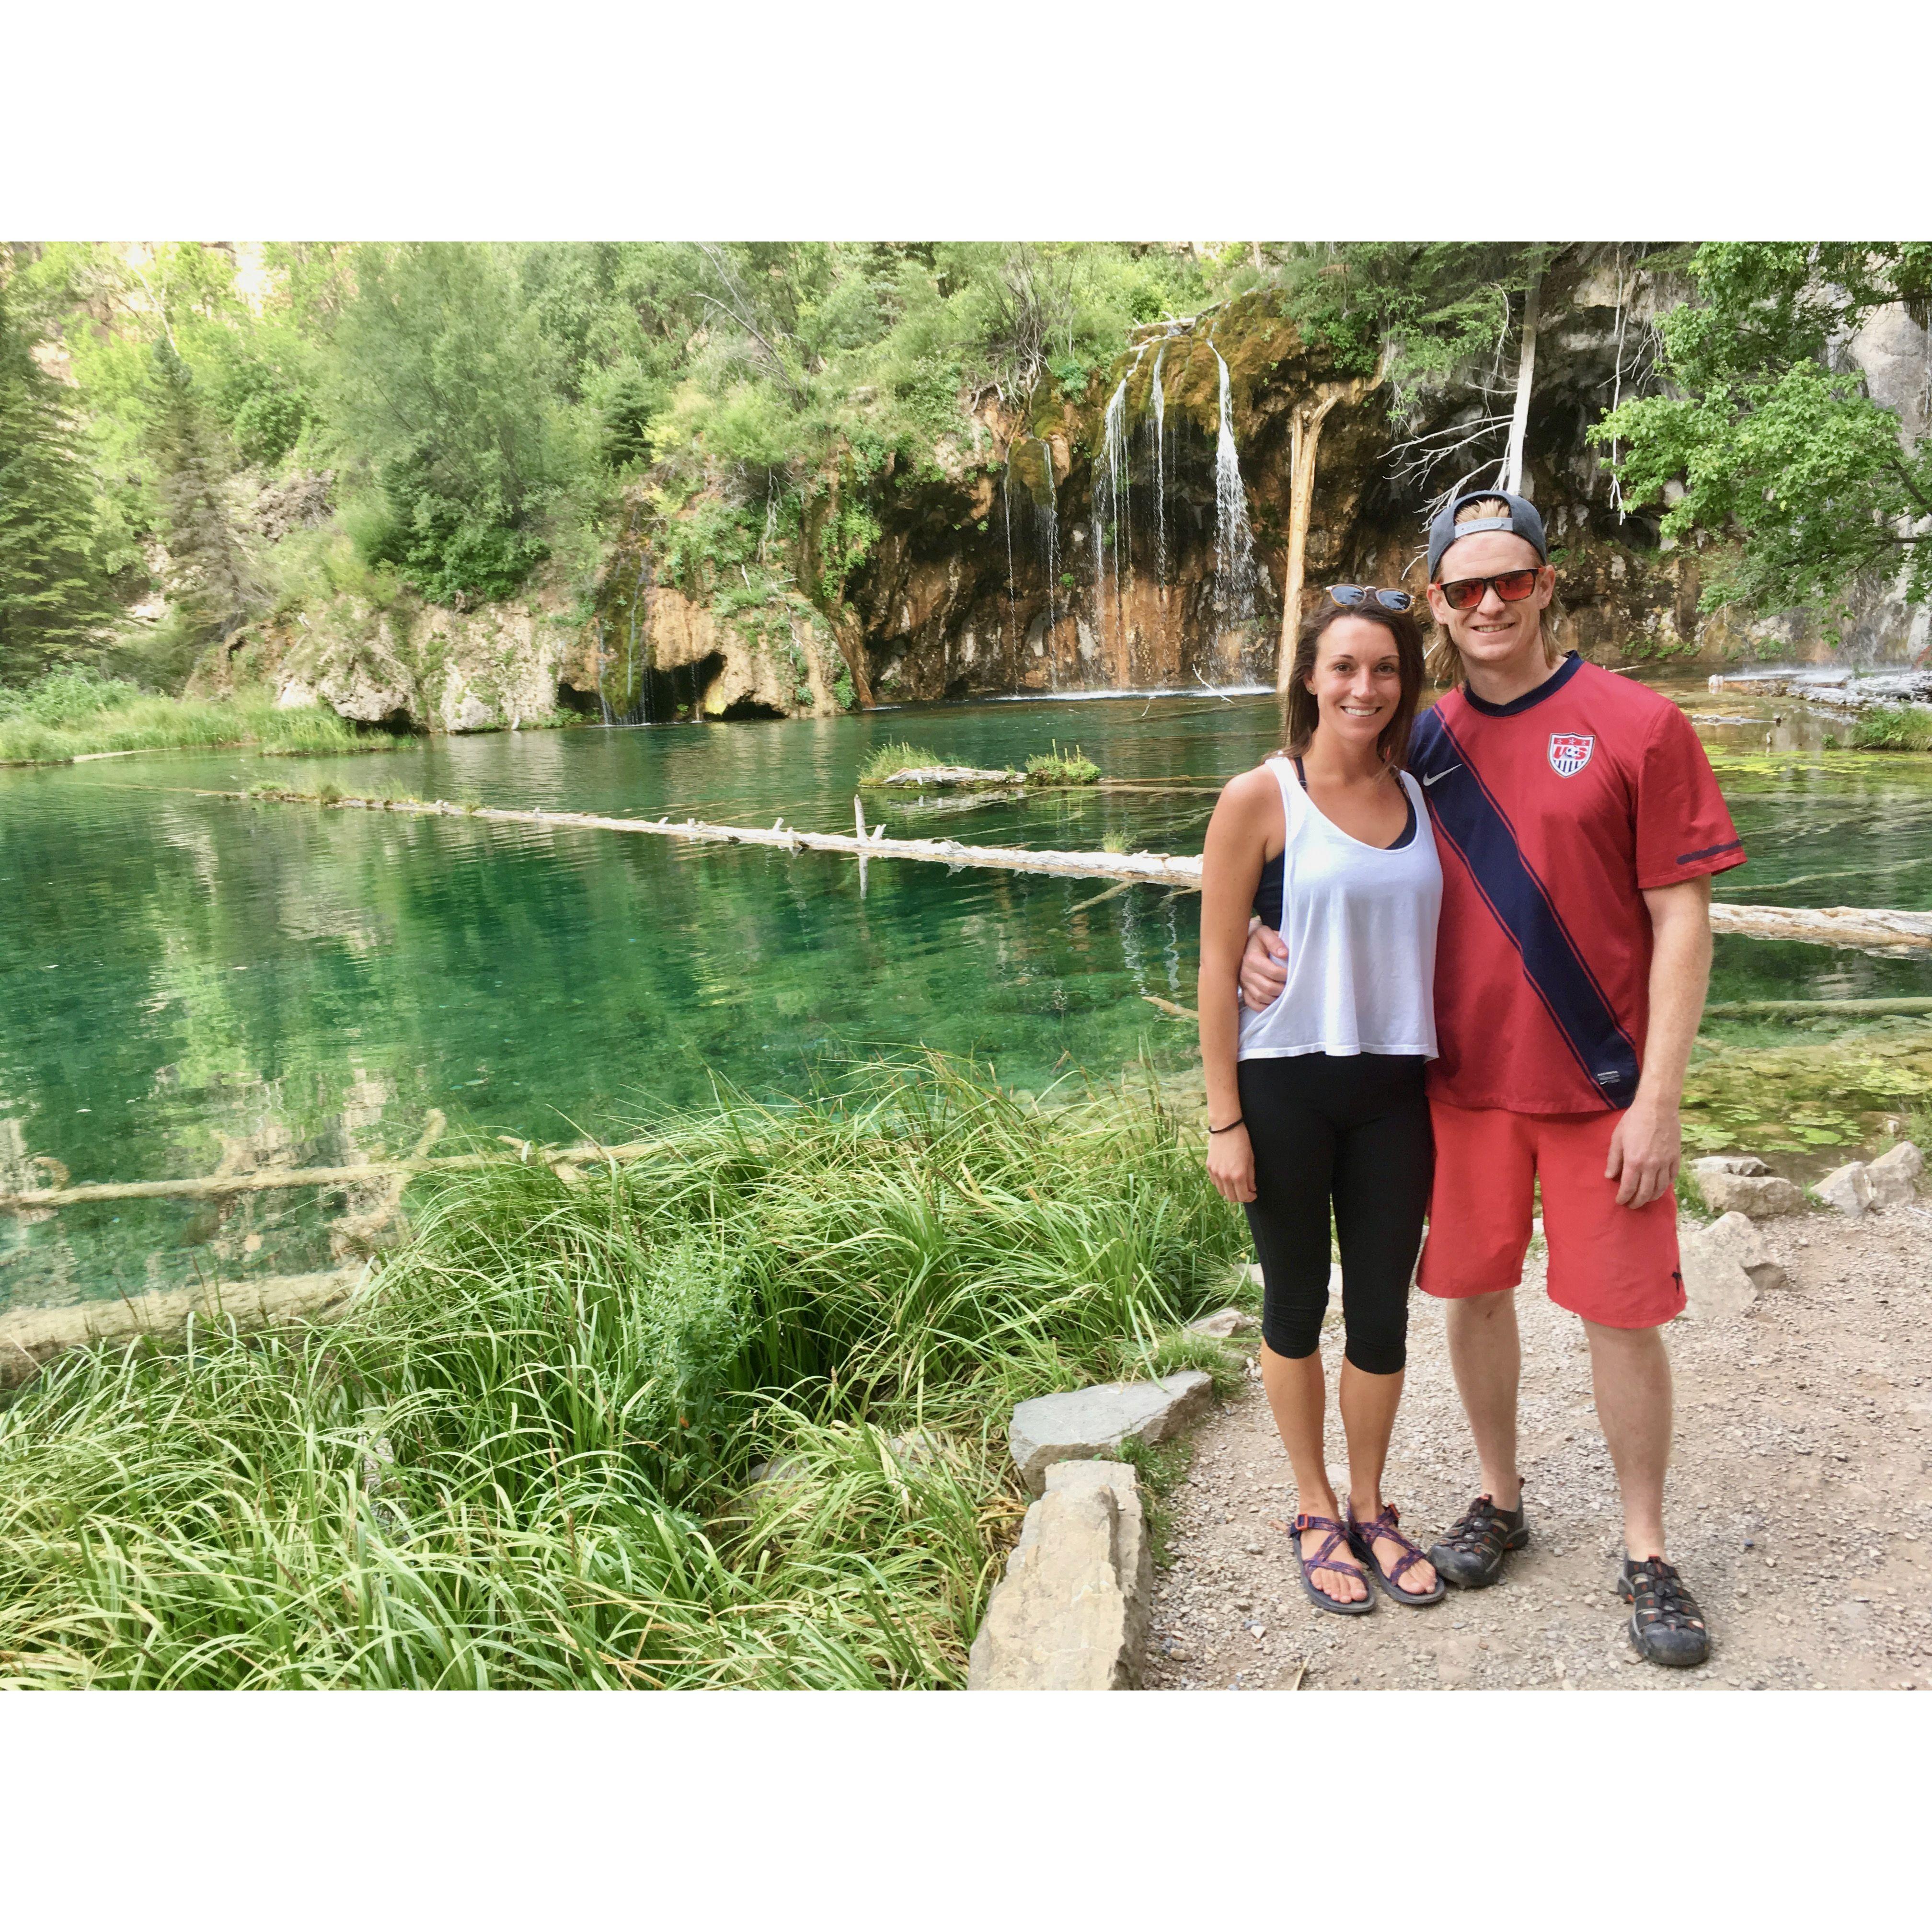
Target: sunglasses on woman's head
pixel 1353 596
pixel 1465 593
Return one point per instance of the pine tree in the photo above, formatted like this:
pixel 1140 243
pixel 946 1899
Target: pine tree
pixel 213 586
pixel 54 599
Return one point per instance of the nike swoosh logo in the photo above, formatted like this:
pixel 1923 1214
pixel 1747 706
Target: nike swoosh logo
pixel 1434 776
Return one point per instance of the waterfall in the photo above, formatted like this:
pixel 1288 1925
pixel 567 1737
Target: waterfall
pixel 1048 517
pixel 1233 541
pixel 1113 505
pixel 1158 426
pixel 1013 639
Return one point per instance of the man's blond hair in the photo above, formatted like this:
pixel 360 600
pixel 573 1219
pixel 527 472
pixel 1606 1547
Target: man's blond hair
pixel 1445 660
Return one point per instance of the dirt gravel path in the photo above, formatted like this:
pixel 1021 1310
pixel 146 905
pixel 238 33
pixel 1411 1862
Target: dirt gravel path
pixel 1804 1450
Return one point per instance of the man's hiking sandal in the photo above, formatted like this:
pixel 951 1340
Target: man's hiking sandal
pixel 1362 1540
pixel 1471 1553
pixel 1666 1624
pixel 1320 1561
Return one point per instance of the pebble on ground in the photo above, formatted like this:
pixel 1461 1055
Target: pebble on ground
pixel 1798 1509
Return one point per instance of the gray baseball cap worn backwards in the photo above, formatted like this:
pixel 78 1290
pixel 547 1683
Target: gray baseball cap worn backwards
pixel 1521 521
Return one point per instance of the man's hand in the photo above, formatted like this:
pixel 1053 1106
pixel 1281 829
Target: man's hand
pixel 1645 1150
pixel 1264 967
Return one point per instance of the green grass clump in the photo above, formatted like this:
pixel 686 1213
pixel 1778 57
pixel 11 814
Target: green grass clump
pixel 522 1458
pixel 1056 767
pixel 71 714
pixel 1887 727
pixel 890 759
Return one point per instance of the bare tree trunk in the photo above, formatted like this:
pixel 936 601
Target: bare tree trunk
pixel 1305 424
pixel 1525 375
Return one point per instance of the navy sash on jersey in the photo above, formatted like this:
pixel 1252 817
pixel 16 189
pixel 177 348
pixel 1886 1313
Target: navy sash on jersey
pixel 1468 816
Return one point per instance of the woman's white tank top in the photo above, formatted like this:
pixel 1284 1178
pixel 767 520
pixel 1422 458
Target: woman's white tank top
pixel 1360 925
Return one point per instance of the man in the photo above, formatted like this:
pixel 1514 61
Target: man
pixel 1578 824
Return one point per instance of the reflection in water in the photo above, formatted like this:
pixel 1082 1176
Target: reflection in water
pixel 189 986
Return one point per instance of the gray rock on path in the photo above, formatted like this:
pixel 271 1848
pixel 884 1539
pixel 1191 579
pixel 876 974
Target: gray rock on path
pixel 1071 1613
pixel 1725 1267
pixel 1224 1322
pixel 1742 1184
pixel 1086 1423
pixel 1716 1287
pixel 1893 1176
pixel 1848 1189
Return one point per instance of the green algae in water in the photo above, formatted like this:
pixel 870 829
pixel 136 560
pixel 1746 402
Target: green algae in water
pixel 1760 1090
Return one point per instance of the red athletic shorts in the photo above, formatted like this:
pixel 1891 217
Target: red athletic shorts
pixel 1615 1266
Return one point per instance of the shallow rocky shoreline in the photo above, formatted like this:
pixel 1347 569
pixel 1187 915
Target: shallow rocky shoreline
pixel 1800 1502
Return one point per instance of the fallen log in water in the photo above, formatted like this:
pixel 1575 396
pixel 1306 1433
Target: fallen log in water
pixel 1141 868
pixel 1865 928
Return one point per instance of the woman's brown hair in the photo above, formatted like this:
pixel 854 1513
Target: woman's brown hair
pixel 1303 714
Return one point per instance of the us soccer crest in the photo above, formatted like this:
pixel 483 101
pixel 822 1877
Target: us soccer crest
pixel 1569 753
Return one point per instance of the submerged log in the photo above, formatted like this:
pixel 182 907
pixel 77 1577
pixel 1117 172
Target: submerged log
pixel 267 1180
pixel 29 1337
pixel 1752 1009
pixel 935 777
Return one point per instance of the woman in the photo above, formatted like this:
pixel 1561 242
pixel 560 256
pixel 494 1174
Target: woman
pixel 1318 1099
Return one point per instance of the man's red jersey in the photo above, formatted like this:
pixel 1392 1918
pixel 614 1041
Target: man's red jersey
pixel 1554 815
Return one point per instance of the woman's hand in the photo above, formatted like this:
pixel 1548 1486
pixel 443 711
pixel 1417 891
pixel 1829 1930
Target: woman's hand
pixel 1231 1164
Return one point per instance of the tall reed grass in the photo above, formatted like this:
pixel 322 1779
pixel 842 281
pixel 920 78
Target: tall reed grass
pixel 71 715
pixel 524 1458
pixel 1888 728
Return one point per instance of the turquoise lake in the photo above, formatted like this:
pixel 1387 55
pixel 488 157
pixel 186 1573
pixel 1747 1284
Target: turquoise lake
pixel 186 982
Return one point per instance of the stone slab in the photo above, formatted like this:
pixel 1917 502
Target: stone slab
pixel 1083 1423
pixel 1071 1613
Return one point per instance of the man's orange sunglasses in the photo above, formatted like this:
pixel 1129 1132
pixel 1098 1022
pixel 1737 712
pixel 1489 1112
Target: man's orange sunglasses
pixel 1465 593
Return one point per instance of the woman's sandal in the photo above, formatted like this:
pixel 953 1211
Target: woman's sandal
pixel 1362 1540
pixel 1338 1536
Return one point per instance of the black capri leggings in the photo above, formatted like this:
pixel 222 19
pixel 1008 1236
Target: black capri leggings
pixel 1353 1129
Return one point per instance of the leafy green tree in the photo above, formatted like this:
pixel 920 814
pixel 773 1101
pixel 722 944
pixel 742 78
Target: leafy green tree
pixel 444 388
pixel 1772 435
pixel 54 599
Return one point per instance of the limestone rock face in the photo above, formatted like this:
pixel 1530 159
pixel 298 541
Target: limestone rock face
pixel 1072 1612
pixel 1731 1189
pixel 1848 1189
pixel 1086 1423
pixel 1893 1176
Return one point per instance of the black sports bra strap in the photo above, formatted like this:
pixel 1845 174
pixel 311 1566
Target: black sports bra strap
pixel 1301 772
